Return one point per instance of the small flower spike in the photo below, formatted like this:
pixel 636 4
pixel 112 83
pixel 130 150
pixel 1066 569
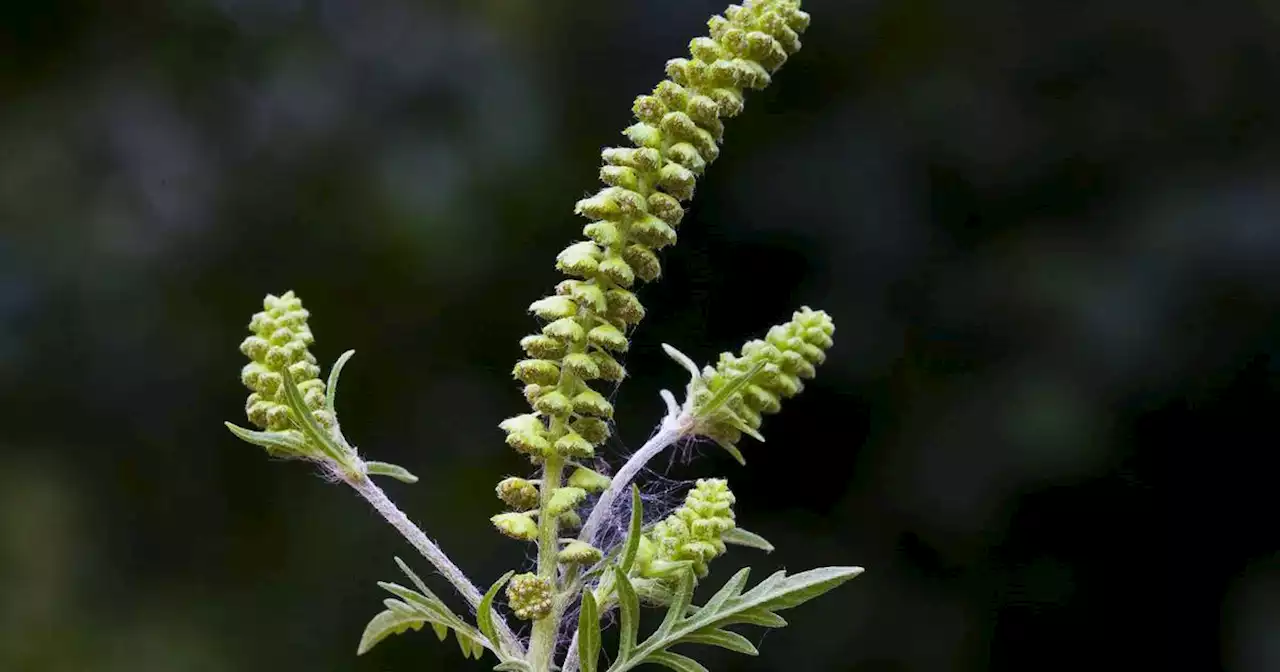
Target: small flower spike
pixel 734 395
pixel 280 340
pixel 691 535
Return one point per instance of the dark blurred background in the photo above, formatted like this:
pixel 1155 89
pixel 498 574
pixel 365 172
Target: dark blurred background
pixel 1049 233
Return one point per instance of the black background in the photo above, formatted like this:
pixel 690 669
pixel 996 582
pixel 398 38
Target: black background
pixel 1049 233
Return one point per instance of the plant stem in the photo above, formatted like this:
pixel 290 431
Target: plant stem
pixel 542 646
pixel 672 429
pixel 429 550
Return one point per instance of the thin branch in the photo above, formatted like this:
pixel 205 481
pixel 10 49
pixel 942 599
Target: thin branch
pixel 429 550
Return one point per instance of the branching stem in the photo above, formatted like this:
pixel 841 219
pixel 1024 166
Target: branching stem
pixel 432 552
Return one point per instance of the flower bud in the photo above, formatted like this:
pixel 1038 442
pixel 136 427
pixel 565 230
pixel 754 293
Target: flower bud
pixel 529 596
pixel 518 493
pixel 580 553
pixel 516 525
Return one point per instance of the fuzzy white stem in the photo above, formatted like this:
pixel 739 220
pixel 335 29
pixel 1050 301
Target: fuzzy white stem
pixel 673 427
pixel 676 425
pixel 429 550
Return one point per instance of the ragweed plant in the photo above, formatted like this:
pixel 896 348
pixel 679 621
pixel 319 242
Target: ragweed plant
pixel 565 507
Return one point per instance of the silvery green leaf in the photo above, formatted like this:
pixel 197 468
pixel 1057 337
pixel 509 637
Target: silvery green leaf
pixel 484 611
pixel 277 444
pixel 724 394
pixel 422 587
pixel 307 423
pixel 393 470
pixel 725 640
pixel 732 450
pixel 629 606
pixel 683 360
pixel 512 666
pixel 677 662
pixel 633 537
pixel 331 394
pixel 740 537
pixel 588 633
pixel 385 624
pixel 729 606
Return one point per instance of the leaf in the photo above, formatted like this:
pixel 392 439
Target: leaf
pixel 588 633
pixel 629 605
pixel 331 395
pixel 484 612
pixel 676 662
pixel 731 588
pixel 732 450
pixel 725 640
pixel 724 394
pixel 740 537
pixel 393 470
pixel 276 443
pixel 414 578
pixel 683 360
pixel 679 605
pixel 512 666
pixel 385 624
pixel 413 609
pixel 633 537
pixel 729 606
pixel 307 423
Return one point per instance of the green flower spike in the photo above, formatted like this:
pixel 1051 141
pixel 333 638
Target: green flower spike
pixel 288 399
pixel 678 132
pixel 730 399
pixel 691 535
pixel 529 596
pixel 279 341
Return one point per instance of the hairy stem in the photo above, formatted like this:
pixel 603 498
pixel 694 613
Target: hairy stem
pixel 674 426
pixel 670 431
pixel 542 646
pixel 429 550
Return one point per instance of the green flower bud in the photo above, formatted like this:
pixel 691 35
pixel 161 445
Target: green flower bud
pixel 594 430
pixel 566 329
pixel 574 445
pixel 624 305
pixel 609 367
pixel 580 259
pixel 553 308
pixel 540 346
pixel 580 553
pixel 618 271
pixel 590 402
pixel 554 403
pixel 537 371
pixel 692 533
pixel 588 480
pixel 518 493
pixel 529 596
pixel 604 233
pixel 279 341
pixel 565 499
pixel 582 365
pixel 516 525
pixel 570 520
pixel 608 337
pixel 790 352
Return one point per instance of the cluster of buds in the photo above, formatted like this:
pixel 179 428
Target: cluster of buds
pixel 691 536
pixel 586 321
pixel 677 134
pixel 280 341
pixel 529 596
pixel 788 355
